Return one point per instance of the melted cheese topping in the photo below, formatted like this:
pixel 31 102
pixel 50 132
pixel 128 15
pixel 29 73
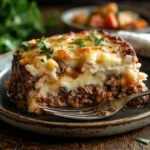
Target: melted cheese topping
pixel 77 50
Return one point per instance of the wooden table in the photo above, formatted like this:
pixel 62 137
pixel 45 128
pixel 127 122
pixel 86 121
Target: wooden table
pixel 12 138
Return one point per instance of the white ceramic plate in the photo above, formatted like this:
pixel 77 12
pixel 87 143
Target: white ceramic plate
pixel 124 121
pixel 68 15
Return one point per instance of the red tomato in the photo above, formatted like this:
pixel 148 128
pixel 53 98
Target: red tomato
pixel 97 21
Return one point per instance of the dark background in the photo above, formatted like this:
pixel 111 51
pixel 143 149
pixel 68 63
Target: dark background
pixel 85 2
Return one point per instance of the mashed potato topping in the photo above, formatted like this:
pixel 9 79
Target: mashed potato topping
pixel 90 51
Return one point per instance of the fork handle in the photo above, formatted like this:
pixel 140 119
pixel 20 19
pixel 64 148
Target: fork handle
pixel 117 104
pixel 139 95
pixel 124 101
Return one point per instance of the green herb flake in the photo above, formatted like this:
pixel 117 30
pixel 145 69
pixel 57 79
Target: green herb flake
pixel 45 49
pixel 142 140
pixel 25 46
pixel 61 46
pixel 64 89
pixel 55 45
pixel 42 60
pixel 71 46
pixel 92 35
pixel 120 76
pixel 80 42
pixel 49 56
pixel 42 44
pixel 72 50
pixel 40 40
pixel 98 41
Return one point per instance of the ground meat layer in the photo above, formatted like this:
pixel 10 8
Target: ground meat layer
pixel 91 94
pixel 21 83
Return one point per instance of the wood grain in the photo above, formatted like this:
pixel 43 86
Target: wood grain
pixel 14 138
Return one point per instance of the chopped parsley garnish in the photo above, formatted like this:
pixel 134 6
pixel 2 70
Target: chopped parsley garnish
pixel 45 49
pixel 42 60
pixel 40 40
pixel 43 44
pixel 97 41
pixel 49 55
pixel 25 46
pixel 92 35
pixel 119 76
pixel 142 140
pixel 58 45
pixel 61 46
pixel 80 42
pixel 64 89
pixel 72 50
pixel 71 46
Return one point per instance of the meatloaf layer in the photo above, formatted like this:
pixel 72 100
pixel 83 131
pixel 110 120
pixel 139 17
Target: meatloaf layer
pixel 74 69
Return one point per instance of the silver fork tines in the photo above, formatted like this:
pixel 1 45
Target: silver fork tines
pixel 80 113
pixel 92 112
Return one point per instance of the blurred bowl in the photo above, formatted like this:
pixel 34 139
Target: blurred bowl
pixel 67 18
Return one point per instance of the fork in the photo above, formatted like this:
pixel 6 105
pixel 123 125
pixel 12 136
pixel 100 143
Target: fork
pixel 92 112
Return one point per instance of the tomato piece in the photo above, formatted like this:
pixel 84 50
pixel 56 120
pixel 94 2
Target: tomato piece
pixel 97 21
pixel 111 20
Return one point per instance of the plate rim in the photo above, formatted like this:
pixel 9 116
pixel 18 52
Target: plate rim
pixel 101 123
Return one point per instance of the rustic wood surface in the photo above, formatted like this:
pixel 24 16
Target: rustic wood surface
pixel 12 138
